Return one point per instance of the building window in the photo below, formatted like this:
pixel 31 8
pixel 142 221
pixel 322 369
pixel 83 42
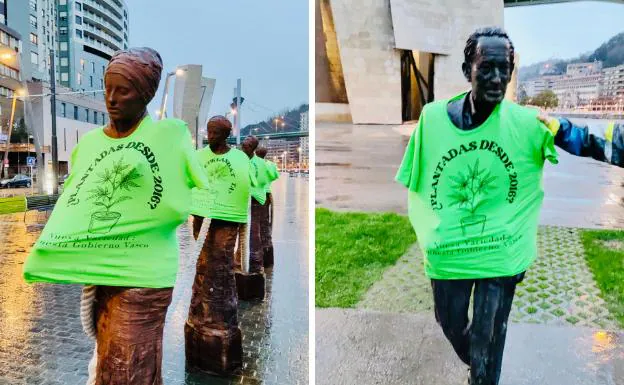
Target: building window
pixel 90 81
pixel 33 21
pixel 63 109
pixel 79 78
pixel 64 77
pixel 95 117
pixel 79 33
pixel 33 38
pixel 78 6
pixel 34 58
pixel 78 20
pixel 63 31
pixel 103 119
pixel 76 118
pixel 65 138
pixel 101 84
pixel 62 2
pixel 93 67
pixel 86 109
pixel 82 64
pixel 64 62
pixel 63 46
pixel 63 16
pixel 33 5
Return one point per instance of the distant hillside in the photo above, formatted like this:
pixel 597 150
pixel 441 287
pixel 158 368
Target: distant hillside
pixel 291 120
pixel 611 54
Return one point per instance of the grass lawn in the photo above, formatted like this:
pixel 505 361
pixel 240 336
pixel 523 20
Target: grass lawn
pixel 352 252
pixel 606 262
pixel 12 205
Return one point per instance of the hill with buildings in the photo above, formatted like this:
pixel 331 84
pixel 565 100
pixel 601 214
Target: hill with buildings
pixel 288 120
pixel 610 53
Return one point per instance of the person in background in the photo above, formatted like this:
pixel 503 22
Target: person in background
pixel 114 226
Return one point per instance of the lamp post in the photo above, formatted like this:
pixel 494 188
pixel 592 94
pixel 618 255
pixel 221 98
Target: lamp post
pixel 163 104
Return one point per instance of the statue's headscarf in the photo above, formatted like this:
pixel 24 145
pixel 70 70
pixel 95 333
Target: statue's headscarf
pixel 140 66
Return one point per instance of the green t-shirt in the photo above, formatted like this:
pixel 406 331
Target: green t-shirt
pixel 273 174
pixel 475 195
pixel 115 223
pixel 262 176
pixel 229 179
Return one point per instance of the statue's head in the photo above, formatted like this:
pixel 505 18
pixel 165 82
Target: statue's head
pixel 488 64
pixel 249 145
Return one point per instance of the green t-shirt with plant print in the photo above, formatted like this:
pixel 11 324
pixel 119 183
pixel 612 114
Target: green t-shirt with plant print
pixel 475 195
pixel 273 173
pixel 229 177
pixel 115 223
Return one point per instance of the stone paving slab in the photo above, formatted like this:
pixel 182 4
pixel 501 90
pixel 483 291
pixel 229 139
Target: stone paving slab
pixel 558 289
pixel 364 347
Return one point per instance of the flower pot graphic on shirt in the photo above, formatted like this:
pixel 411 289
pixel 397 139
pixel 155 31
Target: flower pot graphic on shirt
pixel 470 192
pixel 111 186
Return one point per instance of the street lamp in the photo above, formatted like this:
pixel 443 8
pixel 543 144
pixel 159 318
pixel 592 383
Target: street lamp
pixel 163 109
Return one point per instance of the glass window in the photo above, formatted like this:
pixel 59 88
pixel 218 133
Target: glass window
pixel 62 2
pixel 63 109
pixel 76 117
pixel 4 38
pixel 63 16
pixel 63 46
pixel 82 64
pixel 34 58
pixel 64 77
pixel 33 21
pixel 63 31
pixel 78 6
pixel 90 81
pixel 103 119
pixel 33 5
pixel 87 114
pixel 93 67
pixel 95 117
pixel 64 62
pixel 101 84
pixel 79 33
pixel 78 20
pixel 33 38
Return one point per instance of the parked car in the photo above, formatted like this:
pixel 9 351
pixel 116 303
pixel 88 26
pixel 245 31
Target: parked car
pixel 18 180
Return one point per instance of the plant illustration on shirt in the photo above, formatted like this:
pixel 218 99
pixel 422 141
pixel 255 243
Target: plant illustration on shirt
pixel 470 191
pixel 112 184
pixel 215 174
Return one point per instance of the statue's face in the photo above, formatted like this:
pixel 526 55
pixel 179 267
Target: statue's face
pixel 123 101
pixel 249 146
pixel 217 134
pixel 490 71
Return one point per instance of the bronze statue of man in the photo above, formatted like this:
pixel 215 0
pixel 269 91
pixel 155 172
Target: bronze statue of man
pixel 267 225
pixel 213 338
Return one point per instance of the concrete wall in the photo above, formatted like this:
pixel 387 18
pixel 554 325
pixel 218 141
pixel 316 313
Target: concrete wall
pixel 371 65
pixel 330 86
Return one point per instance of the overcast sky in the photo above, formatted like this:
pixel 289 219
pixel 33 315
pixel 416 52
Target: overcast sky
pixel 263 42
pixel 564 30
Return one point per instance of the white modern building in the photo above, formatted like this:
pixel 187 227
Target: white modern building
pixel 613 83
pixel 304 121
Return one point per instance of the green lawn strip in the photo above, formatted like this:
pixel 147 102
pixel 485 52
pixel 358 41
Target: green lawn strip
pixel 607 265
pixel 12 205
pixel 352 252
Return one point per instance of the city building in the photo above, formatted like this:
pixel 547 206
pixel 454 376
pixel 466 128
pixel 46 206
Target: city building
pixel 535 86
pixel 284 152
pixel 90 31
pixel 577 90
pixel 613 83
pixel 582 69
pixel 382 63
pixel 304 144
pixel 303 121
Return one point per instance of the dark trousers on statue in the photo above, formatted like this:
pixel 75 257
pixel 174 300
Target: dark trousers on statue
pixel 259 223
pixel 130 323
pixel 480 344
pixel 213 338
pixel 267 233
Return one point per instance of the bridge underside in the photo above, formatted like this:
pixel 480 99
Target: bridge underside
pixel 518 3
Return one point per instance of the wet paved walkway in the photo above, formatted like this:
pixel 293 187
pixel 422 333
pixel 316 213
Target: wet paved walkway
pixel 558 289
pixel 41 339
pixel 357 347
pixel 356 164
